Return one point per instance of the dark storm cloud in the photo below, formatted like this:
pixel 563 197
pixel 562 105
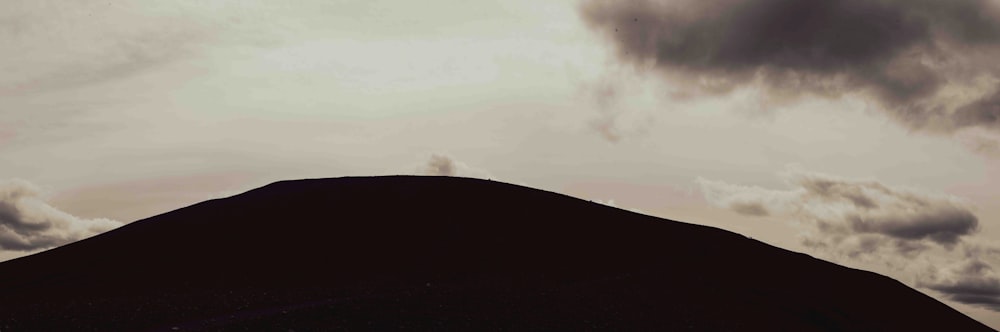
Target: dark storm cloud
pixel 28 223
pixel 901 52
pixel 971 282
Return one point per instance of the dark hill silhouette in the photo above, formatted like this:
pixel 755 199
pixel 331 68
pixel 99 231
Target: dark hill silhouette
pixel 438 253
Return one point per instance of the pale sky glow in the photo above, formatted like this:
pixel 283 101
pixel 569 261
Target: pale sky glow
pixel 124 110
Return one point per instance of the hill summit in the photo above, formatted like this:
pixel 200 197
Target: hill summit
pixel 442 253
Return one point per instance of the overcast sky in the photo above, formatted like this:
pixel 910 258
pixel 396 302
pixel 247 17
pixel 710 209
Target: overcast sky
pixel 860 131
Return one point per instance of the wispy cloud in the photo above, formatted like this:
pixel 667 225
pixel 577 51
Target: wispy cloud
pixel 616 119
pixel 71 44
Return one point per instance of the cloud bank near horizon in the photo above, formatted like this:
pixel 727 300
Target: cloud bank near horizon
pixel 971 281
pixel 866 220
pixel 29 223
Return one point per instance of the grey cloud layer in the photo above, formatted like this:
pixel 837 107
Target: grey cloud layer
pixel 28 223
pixel 867 219
pixel 929 63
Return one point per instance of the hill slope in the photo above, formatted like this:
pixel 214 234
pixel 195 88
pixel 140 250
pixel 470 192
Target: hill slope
pixel 441 253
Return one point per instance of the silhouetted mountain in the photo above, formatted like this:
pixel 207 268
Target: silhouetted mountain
pixel 437 253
